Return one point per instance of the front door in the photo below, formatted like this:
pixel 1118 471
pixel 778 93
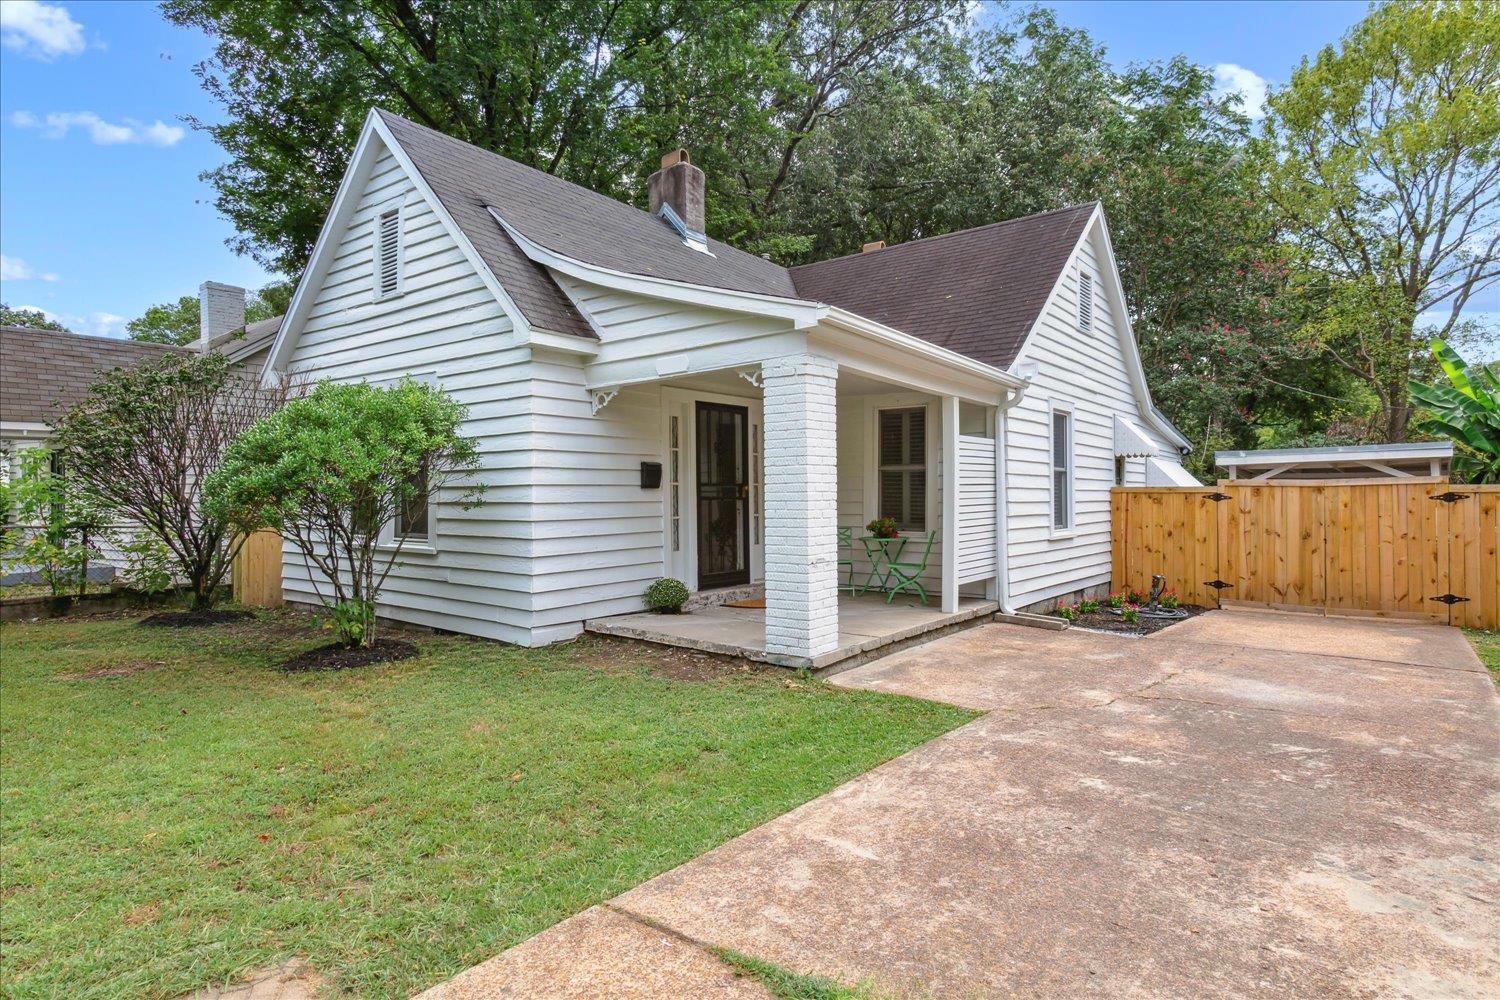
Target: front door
pixel 723 443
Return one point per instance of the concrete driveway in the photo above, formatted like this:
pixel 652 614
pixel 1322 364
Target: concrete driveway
pixel 1249 804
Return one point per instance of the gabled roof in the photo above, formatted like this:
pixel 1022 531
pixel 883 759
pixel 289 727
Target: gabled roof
pixel 566 219
pixel 977 291
pixel 43 373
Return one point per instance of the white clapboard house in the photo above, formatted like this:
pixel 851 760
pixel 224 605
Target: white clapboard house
pixel 649 402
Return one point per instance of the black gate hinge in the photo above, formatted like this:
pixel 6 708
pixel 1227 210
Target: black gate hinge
pixel 1217 497
pixel 1220 584
pixel 1450 497
pixel 1449 599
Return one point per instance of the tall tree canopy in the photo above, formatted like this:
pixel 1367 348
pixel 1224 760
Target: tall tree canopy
pixel 1248 266
pixel 33 319
pixel 1382 159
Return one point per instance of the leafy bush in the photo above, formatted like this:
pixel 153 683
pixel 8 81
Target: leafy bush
pixel 330 470
pixel 1130 613
pixel 883 527
pixel 1066 612
pixel 1088 607
pixel 1170 599
pixel 60 523
pixel 1467 410
pixel 667 596
pixel 148 564
pixel 1115 600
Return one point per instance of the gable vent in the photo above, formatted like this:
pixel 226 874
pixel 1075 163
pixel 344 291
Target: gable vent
pixel 1085 303
pixel 388 254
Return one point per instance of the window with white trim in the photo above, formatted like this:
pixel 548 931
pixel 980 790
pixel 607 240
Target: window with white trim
pixel 1062 470
pixel 902 451
pixel 413 514
pixel 1085 303
pixel 388 275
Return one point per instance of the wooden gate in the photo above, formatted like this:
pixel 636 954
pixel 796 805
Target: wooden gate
pixel 1400 548
pixel 256 573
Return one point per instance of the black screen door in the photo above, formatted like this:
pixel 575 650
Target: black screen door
pixel 723 495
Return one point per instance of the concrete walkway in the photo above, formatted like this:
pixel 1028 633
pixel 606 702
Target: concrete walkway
pixel 1245 805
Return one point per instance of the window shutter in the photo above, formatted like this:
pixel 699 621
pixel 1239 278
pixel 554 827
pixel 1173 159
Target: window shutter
pixel 388 253
pixel 1085 303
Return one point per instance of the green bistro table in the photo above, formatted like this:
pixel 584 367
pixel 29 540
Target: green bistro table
pixel 881 552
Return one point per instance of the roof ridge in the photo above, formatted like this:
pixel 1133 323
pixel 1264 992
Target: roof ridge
pixel 928 240
pixel 95 336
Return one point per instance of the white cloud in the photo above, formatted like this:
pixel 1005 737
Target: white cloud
pixel 102 133
pixel 39 30
pixel 96 324
pixel 1249 86
pixel 16 269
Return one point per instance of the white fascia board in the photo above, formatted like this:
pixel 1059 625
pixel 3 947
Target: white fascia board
pixel 373 136
pixel 801 313
pixel 25 429
pixel 998 382
pixel 1134 369
pixel 566 342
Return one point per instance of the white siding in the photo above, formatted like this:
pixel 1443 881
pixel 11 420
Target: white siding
pixel 976 509
pixel 1087 373
pixel 447 326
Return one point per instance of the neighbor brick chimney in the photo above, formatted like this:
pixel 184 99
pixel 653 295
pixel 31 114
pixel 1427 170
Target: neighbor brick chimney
pixel 221 308
pixel 681 185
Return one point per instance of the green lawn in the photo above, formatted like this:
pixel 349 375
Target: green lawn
pixel 1487 645
pixel 208 815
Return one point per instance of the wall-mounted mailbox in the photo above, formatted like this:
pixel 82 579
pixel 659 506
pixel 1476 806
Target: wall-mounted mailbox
pixel 650 475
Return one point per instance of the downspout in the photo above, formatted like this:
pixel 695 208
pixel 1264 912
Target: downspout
pixel 1002 502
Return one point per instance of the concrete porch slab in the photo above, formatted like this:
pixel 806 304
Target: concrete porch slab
pixel 866 623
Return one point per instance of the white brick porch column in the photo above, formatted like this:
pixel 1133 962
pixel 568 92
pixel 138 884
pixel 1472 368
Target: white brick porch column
pixel 801 506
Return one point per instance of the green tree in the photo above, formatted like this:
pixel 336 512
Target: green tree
pixel 59 526
pixel 1382 160
pixel 590 90
pixel 145 440
pixel 167 322
pixel 32 319
pixel 1467 410
pixel 333 468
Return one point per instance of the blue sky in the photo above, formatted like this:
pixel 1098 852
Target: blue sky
pixel 102 212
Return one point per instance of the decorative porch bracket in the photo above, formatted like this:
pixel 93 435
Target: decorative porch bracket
pixel 600 398
pixel 753 376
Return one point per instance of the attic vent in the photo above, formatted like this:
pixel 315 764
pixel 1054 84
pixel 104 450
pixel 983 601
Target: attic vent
pixel 1085 303
pixel 388 253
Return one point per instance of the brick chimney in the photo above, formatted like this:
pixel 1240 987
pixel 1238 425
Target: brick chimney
pixel 680 186
pixel 872 247
pixel 221 308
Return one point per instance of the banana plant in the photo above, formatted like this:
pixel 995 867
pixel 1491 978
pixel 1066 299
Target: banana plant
pixel 1467 410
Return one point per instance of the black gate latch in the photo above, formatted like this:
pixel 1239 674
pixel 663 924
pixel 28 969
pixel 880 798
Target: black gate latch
pixel 1450 599
pixel 1217 497
pixel 1217 584
pixel 1450 497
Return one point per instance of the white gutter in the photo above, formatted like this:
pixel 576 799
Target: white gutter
pixel 1002 499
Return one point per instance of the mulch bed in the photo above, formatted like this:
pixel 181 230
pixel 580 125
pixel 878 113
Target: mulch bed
pixel 337 656
pixel 195 619
pixel 1105 621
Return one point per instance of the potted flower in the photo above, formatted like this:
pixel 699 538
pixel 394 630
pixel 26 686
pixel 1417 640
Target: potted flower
pixel 883 527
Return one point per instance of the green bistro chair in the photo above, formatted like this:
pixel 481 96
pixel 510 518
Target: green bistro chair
pixel 846 543
pixel 907 574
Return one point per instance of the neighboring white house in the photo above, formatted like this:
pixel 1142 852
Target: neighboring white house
pixel 1363 461
pixel 649 402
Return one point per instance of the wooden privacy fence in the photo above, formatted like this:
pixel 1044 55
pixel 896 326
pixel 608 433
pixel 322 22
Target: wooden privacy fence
pixel 1402 548
pixel 256 573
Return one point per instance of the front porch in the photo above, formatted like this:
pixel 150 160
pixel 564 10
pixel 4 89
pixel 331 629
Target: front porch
pixel 865 623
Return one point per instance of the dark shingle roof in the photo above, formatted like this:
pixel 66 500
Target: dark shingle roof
pixel 976 291
pixel 43 372
pixel 566 219
pixel 247 340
